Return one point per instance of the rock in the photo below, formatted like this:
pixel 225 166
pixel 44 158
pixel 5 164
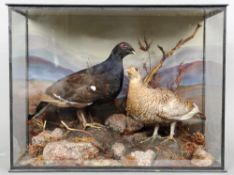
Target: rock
pixel 35 150
pixel 47 136
pixel 143 158
pixel 128 160
pixel 123 124
pixel 64 150
pixel 57 133
pixel 102 162
pixel 36 161
pixel 201 158
pixel 136 137
pixel 118 150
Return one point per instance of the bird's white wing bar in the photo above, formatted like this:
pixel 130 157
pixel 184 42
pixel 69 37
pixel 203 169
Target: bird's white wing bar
pixel 66 101
pixel 58 97
pixel 93 88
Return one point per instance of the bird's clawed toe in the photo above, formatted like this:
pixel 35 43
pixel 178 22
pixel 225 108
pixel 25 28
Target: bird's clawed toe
pixel 94 125
pixel 169 138
pixel 146 140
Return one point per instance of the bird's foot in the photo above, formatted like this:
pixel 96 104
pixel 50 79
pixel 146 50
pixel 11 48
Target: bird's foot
pixel 94 125
pixel 169 138
pixel 152 138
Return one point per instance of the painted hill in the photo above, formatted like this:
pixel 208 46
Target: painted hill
pixel 41 69
pixel 192 74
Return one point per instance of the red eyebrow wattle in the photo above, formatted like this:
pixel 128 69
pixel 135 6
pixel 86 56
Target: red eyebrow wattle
pixel 122 45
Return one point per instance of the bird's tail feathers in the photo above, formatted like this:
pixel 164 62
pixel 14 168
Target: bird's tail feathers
pixel 200 115
pixel 190 114
pixel 39 112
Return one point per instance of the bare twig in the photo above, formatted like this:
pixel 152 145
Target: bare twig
pixel 145 46
pixel 74 129
pixel 179 75
pixel 155 69
pixel 37 122
pixel 44 125
pixel 145 68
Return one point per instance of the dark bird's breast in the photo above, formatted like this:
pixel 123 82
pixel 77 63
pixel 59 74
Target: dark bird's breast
pixel 112 85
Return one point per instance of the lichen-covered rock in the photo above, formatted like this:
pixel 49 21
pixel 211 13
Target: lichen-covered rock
pixel 102 162
pixel 64 150
pixel 57 133
pixel 47 136
pixel 143 158
pixel 123 124
pixel 135 138
pixel 118 150
pixel 201 158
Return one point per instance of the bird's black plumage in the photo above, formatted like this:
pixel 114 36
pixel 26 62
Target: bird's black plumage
pixel 100 83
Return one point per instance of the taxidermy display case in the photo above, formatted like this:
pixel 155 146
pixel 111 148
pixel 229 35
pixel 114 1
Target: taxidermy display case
pixel 117 88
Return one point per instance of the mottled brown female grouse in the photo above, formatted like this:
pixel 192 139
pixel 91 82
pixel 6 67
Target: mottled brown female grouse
pixel 100 83
pixel 156 106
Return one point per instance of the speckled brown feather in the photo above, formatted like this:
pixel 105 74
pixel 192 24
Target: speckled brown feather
pixel 154 105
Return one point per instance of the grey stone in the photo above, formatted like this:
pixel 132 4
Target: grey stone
pixel 64 150
pixel 136 137
pixel 46 136
pixel 123 124
pixel 118 150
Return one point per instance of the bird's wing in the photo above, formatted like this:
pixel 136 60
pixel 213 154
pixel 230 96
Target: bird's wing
pixel 78 87
pixel 173 106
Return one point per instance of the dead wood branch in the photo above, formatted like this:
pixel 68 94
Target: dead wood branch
pixel 156 68
pixel 145 45
pixel 179 75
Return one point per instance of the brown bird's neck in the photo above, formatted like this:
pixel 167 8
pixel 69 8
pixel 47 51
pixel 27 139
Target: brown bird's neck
pixel 135 84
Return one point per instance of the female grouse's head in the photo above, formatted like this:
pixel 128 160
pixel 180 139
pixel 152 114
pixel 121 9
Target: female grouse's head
pixel 123 49
pixel 133 73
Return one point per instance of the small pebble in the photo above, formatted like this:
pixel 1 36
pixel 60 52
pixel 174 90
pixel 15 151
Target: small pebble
pixel 118 150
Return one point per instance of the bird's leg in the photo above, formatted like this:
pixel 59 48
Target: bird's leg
pixel 154 136
pixel 172 133
pixel 85 124
pixel 44 125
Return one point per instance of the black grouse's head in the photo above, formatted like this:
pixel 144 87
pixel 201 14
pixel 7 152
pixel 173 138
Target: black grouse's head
pixel 123 49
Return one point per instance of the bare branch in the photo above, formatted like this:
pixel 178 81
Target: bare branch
pixel 179 75
pixel 180 43
pixel 155 69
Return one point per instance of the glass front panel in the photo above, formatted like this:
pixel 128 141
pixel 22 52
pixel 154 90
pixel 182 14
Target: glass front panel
pixel 214 84
pixel 19 84
pixel 81 97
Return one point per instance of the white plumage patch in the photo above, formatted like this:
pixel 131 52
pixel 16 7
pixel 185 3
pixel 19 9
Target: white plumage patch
pixel 57 96
pixel 93 88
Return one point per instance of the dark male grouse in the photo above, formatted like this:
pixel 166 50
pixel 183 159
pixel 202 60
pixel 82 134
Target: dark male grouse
pixel 97 84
